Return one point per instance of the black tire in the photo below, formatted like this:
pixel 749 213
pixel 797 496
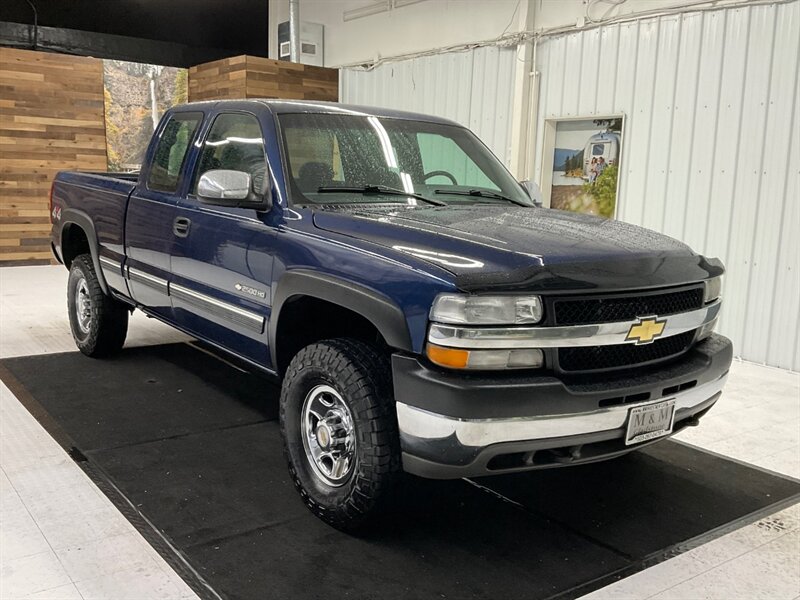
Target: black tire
pixel 103 333
pixel 362 377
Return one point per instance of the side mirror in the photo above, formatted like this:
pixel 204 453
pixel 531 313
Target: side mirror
pixel 534 193
pixel 225 187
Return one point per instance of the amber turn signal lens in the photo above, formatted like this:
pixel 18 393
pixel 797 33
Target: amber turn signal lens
pixel 448 357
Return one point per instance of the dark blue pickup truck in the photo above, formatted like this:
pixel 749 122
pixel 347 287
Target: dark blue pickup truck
pixel 422 313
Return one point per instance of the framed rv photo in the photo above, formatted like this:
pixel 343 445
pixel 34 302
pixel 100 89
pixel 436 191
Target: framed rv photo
pixel 581 162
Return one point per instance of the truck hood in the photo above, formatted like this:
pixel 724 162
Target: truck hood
pixel 500 247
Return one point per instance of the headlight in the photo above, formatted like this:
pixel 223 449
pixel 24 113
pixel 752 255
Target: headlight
pixel 713 289
pixel 486 360
pixel 486 310
pixel 462 309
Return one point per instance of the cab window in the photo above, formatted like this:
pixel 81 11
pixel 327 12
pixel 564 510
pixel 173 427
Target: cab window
pixel 234 142
pixel 170 152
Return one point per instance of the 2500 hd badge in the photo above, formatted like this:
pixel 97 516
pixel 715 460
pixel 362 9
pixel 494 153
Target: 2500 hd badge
pixel 250 290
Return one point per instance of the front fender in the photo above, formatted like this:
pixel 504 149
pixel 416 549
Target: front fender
pixel 377 308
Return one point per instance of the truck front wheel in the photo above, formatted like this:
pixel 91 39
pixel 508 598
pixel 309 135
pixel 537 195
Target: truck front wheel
pixel 99 323
pixel 339 430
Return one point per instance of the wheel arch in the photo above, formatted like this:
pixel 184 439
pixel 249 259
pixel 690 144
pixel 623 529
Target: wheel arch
pixel 379 310
pixel 74 220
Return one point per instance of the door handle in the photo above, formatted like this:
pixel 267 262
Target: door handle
pixel 180 227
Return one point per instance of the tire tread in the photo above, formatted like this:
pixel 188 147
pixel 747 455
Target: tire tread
pixel 364 374
pixel 110 320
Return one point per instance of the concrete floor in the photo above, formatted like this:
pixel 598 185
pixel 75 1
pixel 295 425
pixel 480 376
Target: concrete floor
pixel 60 537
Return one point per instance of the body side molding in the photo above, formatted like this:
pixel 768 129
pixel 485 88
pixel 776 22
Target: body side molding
pixel 225 310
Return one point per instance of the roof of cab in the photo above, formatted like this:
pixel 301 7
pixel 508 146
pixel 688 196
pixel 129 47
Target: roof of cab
pixel 314 106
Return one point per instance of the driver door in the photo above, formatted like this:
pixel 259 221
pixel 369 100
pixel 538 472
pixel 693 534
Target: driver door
pixel 222 256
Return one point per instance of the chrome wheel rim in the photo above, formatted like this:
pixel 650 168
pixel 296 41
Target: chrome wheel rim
pixel 83 306
pixel 328 435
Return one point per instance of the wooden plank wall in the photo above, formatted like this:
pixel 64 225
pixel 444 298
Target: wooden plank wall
pixel 256 77
pixel 290 81
pixel 51 118
pixel 218 80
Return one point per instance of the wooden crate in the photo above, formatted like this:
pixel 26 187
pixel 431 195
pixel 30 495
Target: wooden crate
pixel 256 77
pixel 51 119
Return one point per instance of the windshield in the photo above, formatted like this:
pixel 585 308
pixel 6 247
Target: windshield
pixel 373 158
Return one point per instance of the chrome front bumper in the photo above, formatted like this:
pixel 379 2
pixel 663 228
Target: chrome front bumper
pixel 478 433
pixel 440 446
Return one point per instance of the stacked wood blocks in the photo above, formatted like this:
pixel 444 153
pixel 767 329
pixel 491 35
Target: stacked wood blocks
pixel 51 118
pixel 255 77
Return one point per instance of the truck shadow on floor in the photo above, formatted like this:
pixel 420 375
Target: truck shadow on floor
pixel 193 443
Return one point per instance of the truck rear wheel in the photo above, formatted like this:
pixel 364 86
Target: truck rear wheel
pixel 339 430
pixel 99 323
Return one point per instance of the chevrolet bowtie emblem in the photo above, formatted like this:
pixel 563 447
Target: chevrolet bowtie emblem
pixel 646 330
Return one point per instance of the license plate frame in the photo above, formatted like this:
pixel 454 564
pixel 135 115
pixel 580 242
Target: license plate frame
pixel 650 421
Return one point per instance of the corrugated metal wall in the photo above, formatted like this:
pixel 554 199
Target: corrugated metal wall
pixel 711 150
pixel 712 138
pixel 474 88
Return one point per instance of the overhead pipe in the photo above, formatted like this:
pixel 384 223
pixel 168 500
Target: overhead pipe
pixel 35 25
pixel 294 30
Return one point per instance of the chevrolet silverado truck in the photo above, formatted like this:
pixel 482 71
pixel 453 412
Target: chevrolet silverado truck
pixel 422 313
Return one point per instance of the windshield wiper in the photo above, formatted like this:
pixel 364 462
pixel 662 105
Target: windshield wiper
pixel 481 194
pixel 376 190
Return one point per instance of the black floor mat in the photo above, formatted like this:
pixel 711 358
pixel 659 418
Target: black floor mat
pixel 193 444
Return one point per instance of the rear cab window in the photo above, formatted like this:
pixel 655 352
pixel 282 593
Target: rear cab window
pixel 171 150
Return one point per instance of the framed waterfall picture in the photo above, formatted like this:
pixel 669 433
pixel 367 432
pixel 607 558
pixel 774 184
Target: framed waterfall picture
pixel 580 164
pixel 135 96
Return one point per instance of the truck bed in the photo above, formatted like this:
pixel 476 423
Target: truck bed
pixel 113 181
pixel 124 175
pixel 104 196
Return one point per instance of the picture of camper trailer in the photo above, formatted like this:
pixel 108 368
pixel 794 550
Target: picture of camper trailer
pixel 585 158
pixel 603 145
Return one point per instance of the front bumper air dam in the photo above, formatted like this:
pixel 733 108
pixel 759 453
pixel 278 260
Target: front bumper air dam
pixel 454 425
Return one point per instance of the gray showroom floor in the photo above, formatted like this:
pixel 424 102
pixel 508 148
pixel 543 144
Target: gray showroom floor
pixel 61 537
